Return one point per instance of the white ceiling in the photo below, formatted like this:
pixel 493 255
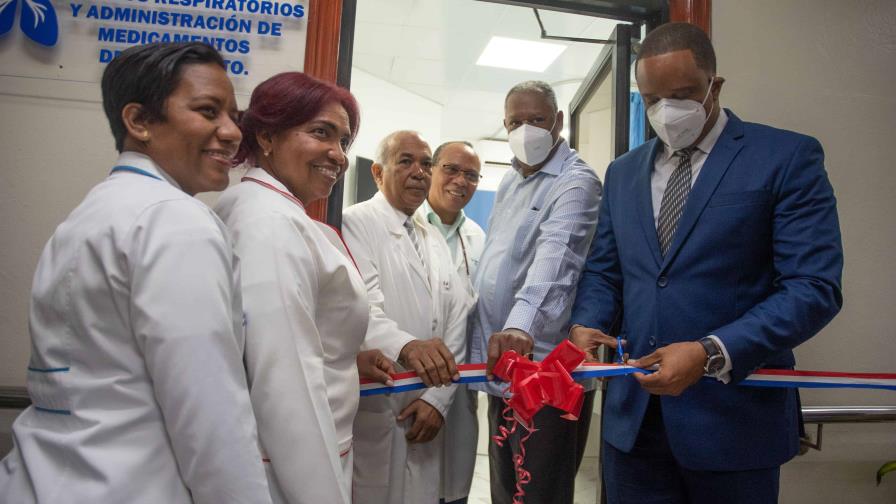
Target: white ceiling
pixel 430 47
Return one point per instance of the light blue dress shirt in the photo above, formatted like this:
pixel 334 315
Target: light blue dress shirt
pixel 449 232
pixel 539 234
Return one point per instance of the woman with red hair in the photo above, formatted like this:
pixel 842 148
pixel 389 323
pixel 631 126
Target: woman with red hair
pixel 305 302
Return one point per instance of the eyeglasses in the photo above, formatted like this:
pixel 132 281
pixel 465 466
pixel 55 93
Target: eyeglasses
pixel 452 171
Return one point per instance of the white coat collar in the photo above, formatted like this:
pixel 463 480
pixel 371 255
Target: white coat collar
pixel 257 174
pixel 395 218
pixel 145 163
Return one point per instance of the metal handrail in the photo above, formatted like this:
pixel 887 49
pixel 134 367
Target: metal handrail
pixel 821 415
pixel 14 398
pixel 848 414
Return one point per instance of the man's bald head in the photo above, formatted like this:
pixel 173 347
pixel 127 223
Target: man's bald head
pixel 403 169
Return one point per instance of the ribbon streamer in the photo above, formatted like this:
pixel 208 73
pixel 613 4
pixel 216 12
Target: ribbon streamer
pixel 781 378
pixel 532 385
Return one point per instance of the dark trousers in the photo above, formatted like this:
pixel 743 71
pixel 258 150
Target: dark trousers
pixel 553 454
pixel 649 474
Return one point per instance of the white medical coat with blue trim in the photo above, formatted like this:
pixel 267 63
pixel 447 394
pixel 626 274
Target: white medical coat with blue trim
pixel 136 374
pixel 307 314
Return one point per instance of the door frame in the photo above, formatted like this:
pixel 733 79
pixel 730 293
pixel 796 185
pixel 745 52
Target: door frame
pixel 328 57
pixel 610 58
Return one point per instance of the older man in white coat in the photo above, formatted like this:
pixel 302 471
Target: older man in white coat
pixel 408 272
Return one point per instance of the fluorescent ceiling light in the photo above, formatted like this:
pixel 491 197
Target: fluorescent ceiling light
pixel 503 52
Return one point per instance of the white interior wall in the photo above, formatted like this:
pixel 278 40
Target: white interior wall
pixel 56 145
pixel 494 154
pixel 385 108
pixel 821 71
pixel 824 68
pixel 596 140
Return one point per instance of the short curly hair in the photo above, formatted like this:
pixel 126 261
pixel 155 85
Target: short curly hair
pixel 672 37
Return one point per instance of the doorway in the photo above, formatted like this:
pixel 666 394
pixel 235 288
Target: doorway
pixel 414 66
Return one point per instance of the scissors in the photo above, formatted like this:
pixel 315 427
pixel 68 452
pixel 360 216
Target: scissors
pixel 620 353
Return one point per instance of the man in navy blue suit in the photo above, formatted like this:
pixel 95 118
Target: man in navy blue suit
pixel 717 252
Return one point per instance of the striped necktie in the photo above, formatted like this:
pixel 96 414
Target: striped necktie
pixel 412 233
pixel 674 199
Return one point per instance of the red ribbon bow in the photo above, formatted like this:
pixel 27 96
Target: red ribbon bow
pixel 535 384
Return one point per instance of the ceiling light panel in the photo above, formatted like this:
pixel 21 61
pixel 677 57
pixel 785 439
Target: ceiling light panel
pixel 516 54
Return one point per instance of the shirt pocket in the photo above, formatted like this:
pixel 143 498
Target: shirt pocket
pixel 525 233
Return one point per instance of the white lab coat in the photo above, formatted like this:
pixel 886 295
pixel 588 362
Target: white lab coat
pixel 474 241
pixel 136 374
pixel 307 313
pixel 461 424
pixel 420 303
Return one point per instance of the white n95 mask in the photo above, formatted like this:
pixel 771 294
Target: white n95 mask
pixel 531 144
pixel 679 122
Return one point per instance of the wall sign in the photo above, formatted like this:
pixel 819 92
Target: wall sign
pixel 74 39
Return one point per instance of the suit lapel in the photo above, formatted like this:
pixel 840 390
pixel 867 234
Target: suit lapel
pixel 644 202
pixel 714 168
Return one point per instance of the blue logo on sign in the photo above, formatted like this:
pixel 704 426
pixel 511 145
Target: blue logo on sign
pixel 38 20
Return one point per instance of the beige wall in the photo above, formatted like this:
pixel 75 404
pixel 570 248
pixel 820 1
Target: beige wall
pixel 56 145
pixel 826 68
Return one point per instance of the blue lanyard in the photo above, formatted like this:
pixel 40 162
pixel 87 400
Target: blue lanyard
pixel 138 171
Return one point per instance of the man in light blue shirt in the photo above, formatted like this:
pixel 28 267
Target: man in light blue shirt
pixel 539 233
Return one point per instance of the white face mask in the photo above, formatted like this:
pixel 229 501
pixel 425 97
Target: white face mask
pixel 679 123
pixel 531 144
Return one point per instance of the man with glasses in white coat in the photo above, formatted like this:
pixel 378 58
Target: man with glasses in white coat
pixel 455 177
pixel 403 262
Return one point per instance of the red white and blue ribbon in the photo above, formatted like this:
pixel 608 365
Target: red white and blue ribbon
pixel 550 381
pixel 781 378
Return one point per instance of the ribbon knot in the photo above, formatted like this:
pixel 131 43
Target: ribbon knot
pixel 535 384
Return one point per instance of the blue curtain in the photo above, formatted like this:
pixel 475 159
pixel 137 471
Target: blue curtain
pixel 636 122
pixel 480 207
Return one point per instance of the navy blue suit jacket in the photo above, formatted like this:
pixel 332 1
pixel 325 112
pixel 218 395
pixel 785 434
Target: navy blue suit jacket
pixel 756 260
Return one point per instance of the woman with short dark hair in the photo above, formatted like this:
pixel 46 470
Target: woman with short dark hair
pixel 136 378
pixel 306 304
